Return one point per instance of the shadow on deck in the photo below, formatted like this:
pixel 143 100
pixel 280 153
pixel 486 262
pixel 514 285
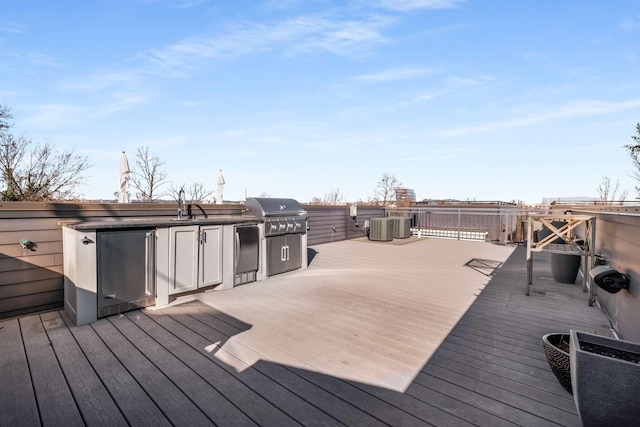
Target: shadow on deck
pixel 180 365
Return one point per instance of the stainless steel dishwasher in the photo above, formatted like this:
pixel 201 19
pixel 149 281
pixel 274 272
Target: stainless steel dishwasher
pixel 126 270
pixel 247 250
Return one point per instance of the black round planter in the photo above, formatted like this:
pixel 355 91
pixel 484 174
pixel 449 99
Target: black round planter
pixel 558 359
pixel 564 268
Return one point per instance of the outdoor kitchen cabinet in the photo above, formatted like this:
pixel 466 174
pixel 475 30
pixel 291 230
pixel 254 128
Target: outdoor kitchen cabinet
pixel 195 257
pixel 284 253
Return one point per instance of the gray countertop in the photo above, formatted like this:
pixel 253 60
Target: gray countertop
pixel 120 223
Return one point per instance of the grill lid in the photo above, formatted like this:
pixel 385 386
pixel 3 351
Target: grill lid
pixel 267 206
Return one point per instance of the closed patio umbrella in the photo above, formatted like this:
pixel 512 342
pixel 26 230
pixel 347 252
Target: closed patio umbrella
pixel 220 187
pixel 124 179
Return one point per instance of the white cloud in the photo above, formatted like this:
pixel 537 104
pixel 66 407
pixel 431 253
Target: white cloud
pixel 11 28
pixel 179 4
pixel 419 99
pixel 302 34
pixel 55 114
pixel 32 59
pixel 187 4
pixel 42 60
pixel 407 5
pixel 100 81
pixel 630 24
pixel 450 85
pixel 403 73
pixel 456 82
pixel 573 109
pixel 120 101
pixel 272 5
pixel 346 38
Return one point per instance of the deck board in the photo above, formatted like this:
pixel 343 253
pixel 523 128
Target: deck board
pixel 19 405
pixel 239 394
pixel 177 407
pixel 303 363
pixel 262 392
pixel 291 404
pixel 506 379
pixel 93 399
pixel 368 335
pixel 495 400
pixel 55 401
pixel 201 393
pixel 335 407
pixel 454 406
pixel 134 403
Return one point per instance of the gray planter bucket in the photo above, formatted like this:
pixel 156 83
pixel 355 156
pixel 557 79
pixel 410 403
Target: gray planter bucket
pixel 564 268
pixel 605 375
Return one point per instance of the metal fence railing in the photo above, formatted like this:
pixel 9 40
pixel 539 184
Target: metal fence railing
pixel 501 224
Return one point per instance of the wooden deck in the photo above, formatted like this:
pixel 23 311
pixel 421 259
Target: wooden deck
pixel 409 333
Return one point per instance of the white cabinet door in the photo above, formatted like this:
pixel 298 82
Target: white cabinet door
pixel 210 261
pixel 183 261
pixel 195 259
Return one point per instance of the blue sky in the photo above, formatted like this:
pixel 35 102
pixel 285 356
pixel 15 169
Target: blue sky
pixel 484 100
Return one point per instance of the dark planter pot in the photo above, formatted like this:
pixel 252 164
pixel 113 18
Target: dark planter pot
pixel 605 376
pixel 564 268
pixel 556 348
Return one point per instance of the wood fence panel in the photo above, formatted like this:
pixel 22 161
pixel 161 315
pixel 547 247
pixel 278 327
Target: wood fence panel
pixel 28 303
pixel 15 250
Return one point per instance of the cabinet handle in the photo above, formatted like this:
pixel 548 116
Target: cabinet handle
pixel 237 249
pixel 150 260
pixel 283 253
pixel 287 252
pixel 204 237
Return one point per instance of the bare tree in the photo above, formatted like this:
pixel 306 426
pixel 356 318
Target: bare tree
pixel 174 191
pixel 148 175
pixel 36 172
pixel 5 117
pixel 634 153
pixel 332 198
pixel 385 191
pixel 195 193
pixel 623 195
pixel 607 194
pixel 604 190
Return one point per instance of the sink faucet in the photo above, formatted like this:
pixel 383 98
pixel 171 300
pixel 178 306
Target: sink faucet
pixel 180 202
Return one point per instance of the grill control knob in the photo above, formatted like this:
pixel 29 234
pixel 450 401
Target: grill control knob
pixel 296 225
pixel 282 227
pixel 289 225
pixel 272 227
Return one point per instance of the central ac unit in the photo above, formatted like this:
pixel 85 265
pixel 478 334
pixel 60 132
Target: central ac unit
pixel 381 229
pixel 401 226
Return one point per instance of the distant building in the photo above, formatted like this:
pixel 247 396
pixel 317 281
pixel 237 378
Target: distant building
pixel 568 200
pixel 404 194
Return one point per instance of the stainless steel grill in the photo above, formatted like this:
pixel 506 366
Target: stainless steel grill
pixel 280 216
pixel 285 228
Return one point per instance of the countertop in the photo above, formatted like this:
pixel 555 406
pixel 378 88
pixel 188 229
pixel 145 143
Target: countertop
pixel 120 223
